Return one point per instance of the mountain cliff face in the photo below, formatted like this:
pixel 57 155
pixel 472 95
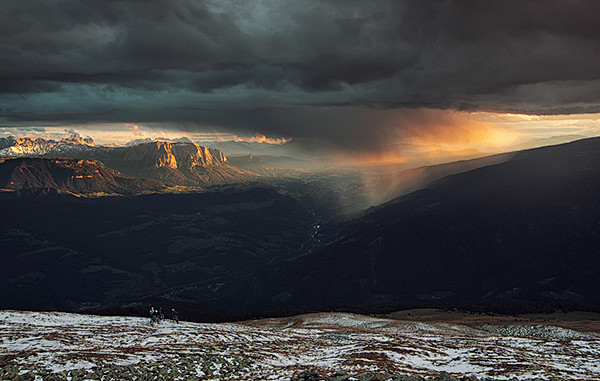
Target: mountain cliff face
pixel 161 154
pixel 174 163
pixel 69 175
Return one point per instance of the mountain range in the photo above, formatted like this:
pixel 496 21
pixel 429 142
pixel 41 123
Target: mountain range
pixel 520 226
pixel 70 176
pixel 173 163
pixel 12 146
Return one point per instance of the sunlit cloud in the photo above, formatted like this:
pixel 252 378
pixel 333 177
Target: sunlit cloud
pixel 443 135
pixel 119 133
pixel 134 128
pixel 428 136
pixel 260 138
pixel 449 130
pixel 545 126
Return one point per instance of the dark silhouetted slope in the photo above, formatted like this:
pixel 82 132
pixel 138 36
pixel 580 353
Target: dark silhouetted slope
pixel 75 253
pixel 524 229
pixel 388 187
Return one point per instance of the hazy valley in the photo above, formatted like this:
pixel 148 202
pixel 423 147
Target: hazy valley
pixel 185 225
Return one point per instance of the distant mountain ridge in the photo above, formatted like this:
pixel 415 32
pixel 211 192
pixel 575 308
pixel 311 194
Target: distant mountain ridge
pixel 160 154
pixel 174 163
pixel 524 227
pixel 12 146
pixel 177 163
pixel 69 175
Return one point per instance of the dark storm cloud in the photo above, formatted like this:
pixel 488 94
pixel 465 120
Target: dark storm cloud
pixel 310 68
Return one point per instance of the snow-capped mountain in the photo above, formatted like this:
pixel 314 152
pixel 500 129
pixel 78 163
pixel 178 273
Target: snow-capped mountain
pixel 12 146
pixel 136 142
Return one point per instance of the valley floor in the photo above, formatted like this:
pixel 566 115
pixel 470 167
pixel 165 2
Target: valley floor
pixel 49 345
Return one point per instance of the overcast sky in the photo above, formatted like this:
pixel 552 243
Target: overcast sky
pixel 344 72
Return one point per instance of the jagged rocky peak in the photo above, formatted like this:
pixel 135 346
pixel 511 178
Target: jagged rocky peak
pixel 77 139
pixel 23 146
pixel 12 146
pixel 181 155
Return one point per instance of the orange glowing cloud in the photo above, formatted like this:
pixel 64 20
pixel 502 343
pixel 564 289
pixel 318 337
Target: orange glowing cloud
pixel 451 130
pixel 221 137
pixel 424 136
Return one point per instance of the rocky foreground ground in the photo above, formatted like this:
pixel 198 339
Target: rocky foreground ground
pixel 186 369
pixel 326 346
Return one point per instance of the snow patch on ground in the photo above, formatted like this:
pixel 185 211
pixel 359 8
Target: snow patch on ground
pixel 278 348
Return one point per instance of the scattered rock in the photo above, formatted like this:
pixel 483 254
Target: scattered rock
pixel 185 368
pixel 367 376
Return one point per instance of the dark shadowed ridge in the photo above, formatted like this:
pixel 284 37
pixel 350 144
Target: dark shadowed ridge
pixel 73 176
pixel 523 229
